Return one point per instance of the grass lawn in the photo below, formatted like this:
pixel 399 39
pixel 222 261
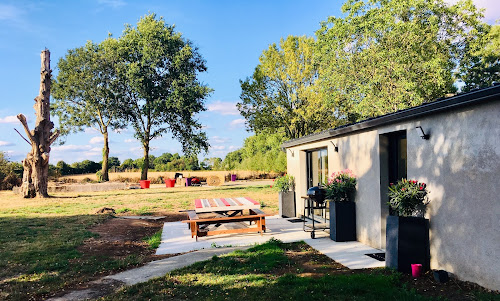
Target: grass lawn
pixel 278 271
pixel 40 238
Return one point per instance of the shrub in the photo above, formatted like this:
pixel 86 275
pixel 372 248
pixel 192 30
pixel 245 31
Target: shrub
pixel 406 196
pixel 285 183
pixel 341 186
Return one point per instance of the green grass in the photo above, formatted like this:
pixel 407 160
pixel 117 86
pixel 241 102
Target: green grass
pixel 39 238
pixel 254 275
pixel 154 240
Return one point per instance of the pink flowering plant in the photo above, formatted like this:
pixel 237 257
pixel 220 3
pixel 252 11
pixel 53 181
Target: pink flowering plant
pixel 341 186
pixel 406 196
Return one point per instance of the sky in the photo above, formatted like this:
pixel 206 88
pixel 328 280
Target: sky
pixel 230 35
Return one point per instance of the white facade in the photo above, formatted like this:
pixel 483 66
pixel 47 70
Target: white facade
pixel 460 163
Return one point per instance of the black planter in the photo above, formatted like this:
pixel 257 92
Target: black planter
pixel 342 221
pixel 287 204
pixel 407 242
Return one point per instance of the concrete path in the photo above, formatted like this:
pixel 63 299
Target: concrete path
pixel 153 269
pixel 176 238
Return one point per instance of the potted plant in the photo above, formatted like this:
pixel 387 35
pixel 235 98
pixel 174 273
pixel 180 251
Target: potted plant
pixel 285 185
pixel 407 231
pixel 340 188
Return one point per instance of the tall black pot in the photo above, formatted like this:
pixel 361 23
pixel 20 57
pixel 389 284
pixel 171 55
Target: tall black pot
pixel 407 242
pixel 343 221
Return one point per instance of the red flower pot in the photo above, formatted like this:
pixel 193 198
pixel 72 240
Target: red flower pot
pixel 145 184
pixel 170 183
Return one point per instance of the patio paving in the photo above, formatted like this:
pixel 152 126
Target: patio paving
pixel 176 238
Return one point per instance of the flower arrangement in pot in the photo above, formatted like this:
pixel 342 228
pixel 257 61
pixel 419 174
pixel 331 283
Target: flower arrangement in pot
pixel 408 197
pixel 340 188
pixel 407 232
pixel 285 185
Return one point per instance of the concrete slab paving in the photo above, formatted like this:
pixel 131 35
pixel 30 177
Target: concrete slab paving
pixel 176 238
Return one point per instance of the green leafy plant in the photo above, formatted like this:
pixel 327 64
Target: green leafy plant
pixel 99 176
pixel 285 183
pixel 341 186
pixel 406 196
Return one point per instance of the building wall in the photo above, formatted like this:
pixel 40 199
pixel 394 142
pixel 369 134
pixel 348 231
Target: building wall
pixel 461 165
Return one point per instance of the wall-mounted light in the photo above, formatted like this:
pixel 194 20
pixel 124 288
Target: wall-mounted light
pixel 291 152
pixel 424 135
pixel 336 148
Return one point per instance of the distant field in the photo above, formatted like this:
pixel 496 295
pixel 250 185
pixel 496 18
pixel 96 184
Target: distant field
pixel 115 176
pixel 41 239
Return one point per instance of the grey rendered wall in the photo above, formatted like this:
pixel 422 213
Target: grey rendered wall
pixel 461 165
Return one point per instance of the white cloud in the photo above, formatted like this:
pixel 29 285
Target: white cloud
pixel 129 140
pixel 237 122
pixel 218 147
pixel 10 13
pixel 91 131
pixel 96 140
pixel 217 139
pixel 112 3
pixel 6 143
pixel 223 108
pixel 9 119
pixel 233 147
pixel 71 148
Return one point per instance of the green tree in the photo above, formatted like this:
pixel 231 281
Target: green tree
pixel 384 56
pixel 158 73
pixel 263 152
pixel 283 93
pixel 128 164
pixel 480 66
pixel 87 94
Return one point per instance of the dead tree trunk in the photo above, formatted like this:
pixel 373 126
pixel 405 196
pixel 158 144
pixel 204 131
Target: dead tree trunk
pixel 36 164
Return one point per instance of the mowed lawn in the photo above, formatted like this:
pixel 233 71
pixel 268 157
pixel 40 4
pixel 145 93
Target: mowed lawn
pixel 39 237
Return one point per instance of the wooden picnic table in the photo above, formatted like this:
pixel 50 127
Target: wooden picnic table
pixel 229 210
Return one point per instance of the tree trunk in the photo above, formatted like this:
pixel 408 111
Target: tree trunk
pixel 145 164
pixel 36 164
pixel 105 156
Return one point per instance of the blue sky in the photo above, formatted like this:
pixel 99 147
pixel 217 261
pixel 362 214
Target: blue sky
pixel 230 35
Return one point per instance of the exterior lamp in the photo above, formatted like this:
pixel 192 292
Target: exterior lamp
pixel 424 135
pixel 336 148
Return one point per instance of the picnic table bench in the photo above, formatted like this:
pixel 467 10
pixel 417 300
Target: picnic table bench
pixel 223 207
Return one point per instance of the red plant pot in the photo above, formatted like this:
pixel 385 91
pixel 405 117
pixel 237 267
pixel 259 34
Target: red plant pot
pixel 145 184
pixel 170 183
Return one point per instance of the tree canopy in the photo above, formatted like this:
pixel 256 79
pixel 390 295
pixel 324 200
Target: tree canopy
pixel 480 65
pixel 384 56
pixel 283 93
pixel 158 71
pixel 87 93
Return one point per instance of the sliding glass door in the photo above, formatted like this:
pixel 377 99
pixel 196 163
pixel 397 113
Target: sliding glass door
pixel 317 167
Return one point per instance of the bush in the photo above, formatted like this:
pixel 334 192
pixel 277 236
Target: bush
pixel 285 183
pixel 10 173
pixel 341 186
pixel 406 196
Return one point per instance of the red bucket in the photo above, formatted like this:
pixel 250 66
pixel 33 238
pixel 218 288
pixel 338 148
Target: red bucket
pixel 145 184
pixel 170 183
pixel 416 270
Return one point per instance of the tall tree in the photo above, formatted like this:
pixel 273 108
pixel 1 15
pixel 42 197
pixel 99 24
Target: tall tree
pixel 158 72
pixel 283 93
pixel 87 94
pixel 36 164
pixel 480 66
pixel 384 56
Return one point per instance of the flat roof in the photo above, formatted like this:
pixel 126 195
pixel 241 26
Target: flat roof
pixel 440 105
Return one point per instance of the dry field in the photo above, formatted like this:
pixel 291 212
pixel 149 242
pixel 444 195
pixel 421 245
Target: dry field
pixel 135 176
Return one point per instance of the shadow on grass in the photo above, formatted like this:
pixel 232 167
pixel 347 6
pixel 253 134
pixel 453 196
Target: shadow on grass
pixel 251 275
pixel 39 256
